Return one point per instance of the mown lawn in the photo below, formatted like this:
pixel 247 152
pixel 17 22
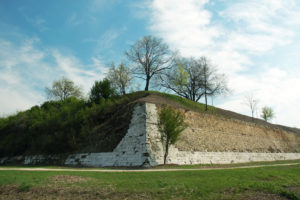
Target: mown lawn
pixel 280 182
pixel 260 163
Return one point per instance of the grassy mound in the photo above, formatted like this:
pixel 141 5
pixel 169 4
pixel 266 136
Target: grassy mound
pixel 73 125
pixel 67 126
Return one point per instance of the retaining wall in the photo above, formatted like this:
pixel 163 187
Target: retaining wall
pixel 142 146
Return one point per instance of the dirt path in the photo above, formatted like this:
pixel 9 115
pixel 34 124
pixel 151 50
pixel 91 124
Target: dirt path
pixel 136 170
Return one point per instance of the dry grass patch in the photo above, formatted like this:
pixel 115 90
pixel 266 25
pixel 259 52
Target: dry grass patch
pixel 257 196
pixel 296 190
pixel 68 179
pixel 67 193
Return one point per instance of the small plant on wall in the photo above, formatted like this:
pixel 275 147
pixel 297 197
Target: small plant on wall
pixel 171 124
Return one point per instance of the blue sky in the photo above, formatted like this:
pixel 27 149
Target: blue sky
pixel 256 43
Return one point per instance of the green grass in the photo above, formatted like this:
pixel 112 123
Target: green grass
pixel 211 184
pixel 196 106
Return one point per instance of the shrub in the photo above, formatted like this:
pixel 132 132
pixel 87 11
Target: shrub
pixel 171 124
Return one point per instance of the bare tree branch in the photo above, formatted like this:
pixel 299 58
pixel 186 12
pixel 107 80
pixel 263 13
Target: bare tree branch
pixel 150 57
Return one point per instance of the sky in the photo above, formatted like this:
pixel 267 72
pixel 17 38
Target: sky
pixel 255 43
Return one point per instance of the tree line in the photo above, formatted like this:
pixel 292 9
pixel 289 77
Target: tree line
pixel 151 60
pixel 68 122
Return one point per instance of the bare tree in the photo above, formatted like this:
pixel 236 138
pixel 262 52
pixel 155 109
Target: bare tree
pixel 213 83
pixel 184 78
pixel 120 77
pixel 62 89
pixel 252 102
pixel 193 78
pixel 150 57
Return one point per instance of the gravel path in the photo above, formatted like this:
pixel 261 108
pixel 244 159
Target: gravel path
pixel 136 170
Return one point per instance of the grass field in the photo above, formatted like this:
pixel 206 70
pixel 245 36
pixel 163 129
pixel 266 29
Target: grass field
pixel 280 182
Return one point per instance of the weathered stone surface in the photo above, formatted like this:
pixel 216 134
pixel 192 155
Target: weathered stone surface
pixel 211 133
pixel 195 157
pixel 142 146
pixel 129 152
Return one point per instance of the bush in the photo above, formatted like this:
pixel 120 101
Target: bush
pixel 101 90
pixel 171 124
pixel 67 126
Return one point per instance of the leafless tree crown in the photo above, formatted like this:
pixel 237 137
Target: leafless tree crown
pixel 150 57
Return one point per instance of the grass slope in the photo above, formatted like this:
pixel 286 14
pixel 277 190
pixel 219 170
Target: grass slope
pixel 67 126
pixel 74 125
pixel 200 107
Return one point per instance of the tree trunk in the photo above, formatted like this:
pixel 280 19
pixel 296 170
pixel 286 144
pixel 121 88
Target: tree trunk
pixel 166 151
pixel 147 84
pixel 123 91
pixel 206 108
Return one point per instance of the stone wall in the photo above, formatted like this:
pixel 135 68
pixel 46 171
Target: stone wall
pixel 177 156
pixel 131 151
pixel 188 157
pixel 142 146
pixel 211 133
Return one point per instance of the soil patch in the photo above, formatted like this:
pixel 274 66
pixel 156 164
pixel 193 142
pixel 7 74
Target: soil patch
pixel 72 193
pixel 56 192
pixel 68 179
pixel 259 196
pixel 159 100
pixel 296 190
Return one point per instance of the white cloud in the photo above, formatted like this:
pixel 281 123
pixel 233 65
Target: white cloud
pixel 105 42
pixel 98 5
pixel 26 69
pixel 184 24
pixel 74 20
pixel 273 87
pixel 38 22
pixel 236 37
pixel 74 69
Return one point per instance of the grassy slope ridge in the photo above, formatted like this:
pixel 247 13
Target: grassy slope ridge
pixel 68 126
pixel 200 107
pixel 76 126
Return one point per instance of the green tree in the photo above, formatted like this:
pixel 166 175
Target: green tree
pixel 120 77
pixel 101 89
pixel 62 89
pixel 171 124
pixel 267 113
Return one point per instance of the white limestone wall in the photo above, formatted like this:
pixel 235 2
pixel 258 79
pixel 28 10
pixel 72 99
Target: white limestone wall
pixel 142 146
pixel 131 151
pixel 153 136
pixel 187 158
pixel 175 156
